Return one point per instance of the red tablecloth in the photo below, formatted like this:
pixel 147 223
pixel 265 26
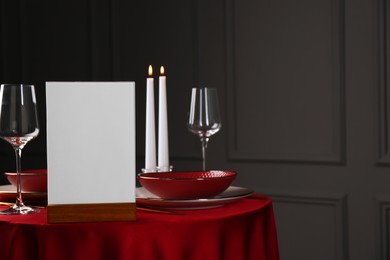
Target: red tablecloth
pixel 241 230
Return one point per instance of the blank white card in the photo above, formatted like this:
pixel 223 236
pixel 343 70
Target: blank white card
pixel 90 142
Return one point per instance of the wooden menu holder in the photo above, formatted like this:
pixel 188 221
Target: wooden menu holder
pixel 91 212
pixel 91 151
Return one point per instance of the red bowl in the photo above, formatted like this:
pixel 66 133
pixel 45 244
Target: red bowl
pixel 187 185
pixel 32 180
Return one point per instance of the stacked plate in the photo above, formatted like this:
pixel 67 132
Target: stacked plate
pixel 31 180
pixel 189 190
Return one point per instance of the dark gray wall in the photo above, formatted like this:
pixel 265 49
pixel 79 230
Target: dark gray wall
pixel 303 88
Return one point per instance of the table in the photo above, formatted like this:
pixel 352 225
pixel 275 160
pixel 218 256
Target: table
pixel 244 229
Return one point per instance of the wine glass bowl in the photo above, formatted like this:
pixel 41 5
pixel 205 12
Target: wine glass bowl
pixel 204 119
pixel 205 132
pixel 18 126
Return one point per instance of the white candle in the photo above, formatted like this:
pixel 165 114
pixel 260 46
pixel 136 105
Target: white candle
pixel 163 147
pixel 150 135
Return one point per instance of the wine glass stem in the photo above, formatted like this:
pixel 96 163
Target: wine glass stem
pixel 18 155
pixel 204 141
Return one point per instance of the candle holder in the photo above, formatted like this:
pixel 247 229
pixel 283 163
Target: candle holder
pixel 143 170
pixel 165 168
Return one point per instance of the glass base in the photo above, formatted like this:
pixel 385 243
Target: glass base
pixel 19 210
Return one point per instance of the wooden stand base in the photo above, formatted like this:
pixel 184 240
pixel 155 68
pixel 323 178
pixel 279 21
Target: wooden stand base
pixel 69 213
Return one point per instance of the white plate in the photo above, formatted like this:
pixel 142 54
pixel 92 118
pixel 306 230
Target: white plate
pixel 231 194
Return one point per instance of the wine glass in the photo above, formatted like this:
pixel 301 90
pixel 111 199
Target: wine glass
pixel 18 126
pixel 204 119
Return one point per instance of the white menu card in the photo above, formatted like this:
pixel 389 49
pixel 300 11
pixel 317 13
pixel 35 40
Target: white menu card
pixel 90 142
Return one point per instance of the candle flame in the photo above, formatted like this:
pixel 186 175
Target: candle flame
pixel 150 70
pixel 162 70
